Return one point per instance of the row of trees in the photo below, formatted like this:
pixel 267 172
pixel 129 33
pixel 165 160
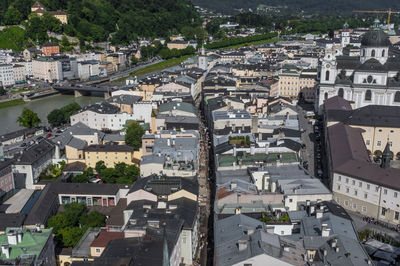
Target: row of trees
pixel 120 174
pixel 242 40
pixel 70 225
pixel 57 117
pixel 61 116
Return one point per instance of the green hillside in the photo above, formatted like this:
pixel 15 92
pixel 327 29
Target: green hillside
pixel 97 19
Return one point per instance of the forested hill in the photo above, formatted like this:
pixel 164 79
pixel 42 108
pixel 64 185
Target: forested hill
pixel 96 19
pixel 308 6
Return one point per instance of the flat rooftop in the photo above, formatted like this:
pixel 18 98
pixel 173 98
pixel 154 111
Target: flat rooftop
pixel 16 203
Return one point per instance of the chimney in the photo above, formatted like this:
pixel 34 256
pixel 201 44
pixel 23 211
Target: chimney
pixel 252 149
pixel 233 185
pixel 319 214
pixel 234 150
pixel 5 249
pixel 337 249
pixel 325 230
pixel 57 152
pixel 273 186
pixel 325 252
pixel 250 230
pixel 242 245
pixel 312 209
pixel 238 210
pixel 334 243
pixel 19 236
pixel 12 237
pixel 168 142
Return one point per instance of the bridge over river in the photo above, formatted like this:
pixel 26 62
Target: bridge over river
pixel 84 90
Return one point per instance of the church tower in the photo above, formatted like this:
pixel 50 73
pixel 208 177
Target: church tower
pixel 386 157
pixel 203 62
pixel 328 69
pixel 345 36
pixel 375 45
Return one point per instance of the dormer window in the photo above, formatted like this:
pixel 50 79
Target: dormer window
pixel 383 53
pixel 369 79
pixel 373 53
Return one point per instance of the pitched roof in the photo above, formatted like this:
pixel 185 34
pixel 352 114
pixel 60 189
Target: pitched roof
pixel 349 157
pixel 104 237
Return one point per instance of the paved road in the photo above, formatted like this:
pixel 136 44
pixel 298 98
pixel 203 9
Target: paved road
pixel 307 153
pixel 204 195
pixel 362 225
pixel 120 74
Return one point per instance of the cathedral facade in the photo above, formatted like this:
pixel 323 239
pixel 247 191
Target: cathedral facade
pixel 371 78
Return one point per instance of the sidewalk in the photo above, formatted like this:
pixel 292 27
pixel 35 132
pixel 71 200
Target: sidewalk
pixel 363 225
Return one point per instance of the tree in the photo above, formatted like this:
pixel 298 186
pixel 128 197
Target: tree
pixel 69 110
pixel 93 219
pixel 134 133
pixel 100 166
pixel 51 23
pixel 84 177
pixel 71 235
pixel 56 118
pixel 28 118
pixel 2 91
pixel 12 16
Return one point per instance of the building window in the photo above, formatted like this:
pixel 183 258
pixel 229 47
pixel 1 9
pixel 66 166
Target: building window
pixel 373 53
pixel 337 200
pixel 340 178
pixel 396 215
pixel 347 180
pixel 346 203
pixel 354 206
pixel 97 250
pixel 383 211
pixel 367 142
pixel 355 192
pixel 338 187
pixel 365 195
pixel 327 75
pixel 341 92
pixel 395 194
pixel 368 186
pixel 347 190
pixel 353 182
pixel 368 95
pixel 376 189
pixel 360 184
pixel 326 96
pixel 383 53
pixel 378 143
pixel 397 96
pixel 364 208
pixel 385 191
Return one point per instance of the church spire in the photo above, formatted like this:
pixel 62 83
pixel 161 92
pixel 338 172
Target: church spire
pixel 386 156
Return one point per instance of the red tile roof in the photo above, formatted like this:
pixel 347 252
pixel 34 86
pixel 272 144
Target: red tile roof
pixel 104 237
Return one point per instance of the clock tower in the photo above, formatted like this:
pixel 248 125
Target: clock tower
pixel 328 69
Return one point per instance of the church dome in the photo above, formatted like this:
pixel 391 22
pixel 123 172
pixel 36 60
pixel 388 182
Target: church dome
pixel 372 65
pixel 375 38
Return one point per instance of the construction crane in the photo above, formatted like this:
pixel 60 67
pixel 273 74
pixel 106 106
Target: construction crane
pixel 389 12
pixel 293 20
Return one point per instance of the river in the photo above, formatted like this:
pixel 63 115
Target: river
pixel 9 115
